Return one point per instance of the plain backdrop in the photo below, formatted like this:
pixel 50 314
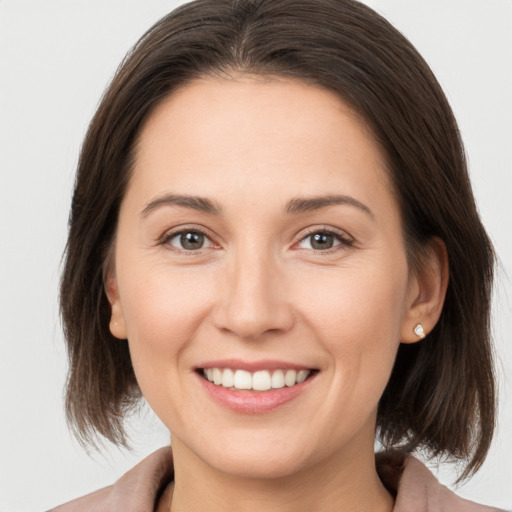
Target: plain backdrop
pixel 55 61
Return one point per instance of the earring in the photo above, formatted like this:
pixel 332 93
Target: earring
pixel 419 331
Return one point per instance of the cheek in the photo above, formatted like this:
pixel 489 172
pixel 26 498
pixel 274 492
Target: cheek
pixel 163 309
pixel 364 299
pixel 358 316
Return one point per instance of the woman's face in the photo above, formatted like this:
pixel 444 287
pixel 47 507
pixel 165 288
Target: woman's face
pixel 260 243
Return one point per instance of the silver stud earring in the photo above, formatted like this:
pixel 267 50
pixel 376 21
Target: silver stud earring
pixel 419 331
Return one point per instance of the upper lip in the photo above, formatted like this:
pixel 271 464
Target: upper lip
pixel 253 366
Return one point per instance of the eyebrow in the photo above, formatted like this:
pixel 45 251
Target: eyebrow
pixel 295 206
pixel 299 205
pixel 201 204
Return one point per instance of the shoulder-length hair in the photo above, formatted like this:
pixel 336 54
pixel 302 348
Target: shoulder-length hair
pixel 441 394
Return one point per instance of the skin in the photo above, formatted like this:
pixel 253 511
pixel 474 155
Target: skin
pixel 258 289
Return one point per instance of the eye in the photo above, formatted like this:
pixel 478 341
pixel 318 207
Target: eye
pixel 188 240
pixel 323 240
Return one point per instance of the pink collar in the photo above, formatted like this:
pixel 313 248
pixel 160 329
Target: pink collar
pixel 140 489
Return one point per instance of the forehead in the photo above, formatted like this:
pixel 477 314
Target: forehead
pixel 257 130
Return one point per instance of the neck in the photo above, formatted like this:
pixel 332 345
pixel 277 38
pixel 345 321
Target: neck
pixel 346 482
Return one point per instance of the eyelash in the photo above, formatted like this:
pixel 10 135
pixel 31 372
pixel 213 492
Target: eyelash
pixel 345 241
pixel 165 239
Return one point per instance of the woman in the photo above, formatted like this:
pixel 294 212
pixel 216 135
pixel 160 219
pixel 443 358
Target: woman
pixel 273 240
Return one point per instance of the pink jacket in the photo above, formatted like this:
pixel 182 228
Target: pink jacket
pixel 140 489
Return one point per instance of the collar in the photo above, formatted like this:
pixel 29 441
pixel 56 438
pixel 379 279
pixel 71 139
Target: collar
pixel 145 488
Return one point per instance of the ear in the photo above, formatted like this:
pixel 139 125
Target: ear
pixel 117 324
pixel 427 292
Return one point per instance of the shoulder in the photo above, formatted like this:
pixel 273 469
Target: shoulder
pixel 136 491
pixel 416 488
pixel 139 490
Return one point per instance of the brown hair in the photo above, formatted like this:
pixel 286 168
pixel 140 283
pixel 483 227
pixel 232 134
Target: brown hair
pixel 441 394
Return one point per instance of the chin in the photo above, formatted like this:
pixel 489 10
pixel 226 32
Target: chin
pixel 257 456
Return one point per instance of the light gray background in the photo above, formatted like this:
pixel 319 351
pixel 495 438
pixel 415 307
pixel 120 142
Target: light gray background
pixel 55 60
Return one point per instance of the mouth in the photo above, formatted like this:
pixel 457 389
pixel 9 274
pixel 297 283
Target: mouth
pixel 254 387
pixel 261 380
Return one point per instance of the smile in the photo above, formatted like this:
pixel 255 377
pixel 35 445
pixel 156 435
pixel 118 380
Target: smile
pixel 254 387
pixel 261 380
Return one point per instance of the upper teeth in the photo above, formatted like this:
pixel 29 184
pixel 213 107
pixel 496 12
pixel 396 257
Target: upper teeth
pixel 262 380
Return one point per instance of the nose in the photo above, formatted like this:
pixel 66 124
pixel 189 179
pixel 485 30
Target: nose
pixel 253 302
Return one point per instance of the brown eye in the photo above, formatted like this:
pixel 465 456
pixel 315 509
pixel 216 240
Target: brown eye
pixel 323 241
pixel 189 240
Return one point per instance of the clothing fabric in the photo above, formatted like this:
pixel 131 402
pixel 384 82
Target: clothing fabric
pixel 145 488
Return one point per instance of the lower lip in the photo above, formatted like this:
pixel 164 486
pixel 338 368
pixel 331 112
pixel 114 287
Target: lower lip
pixel 253 402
